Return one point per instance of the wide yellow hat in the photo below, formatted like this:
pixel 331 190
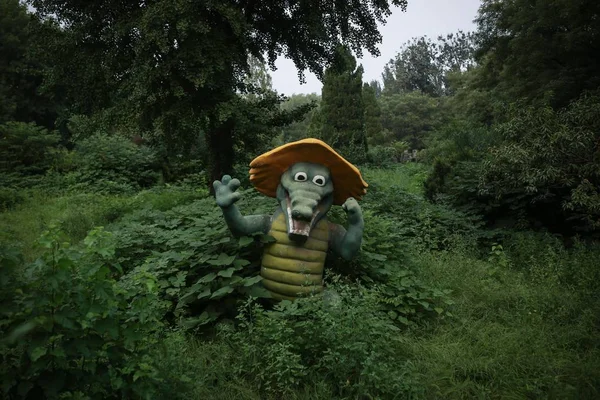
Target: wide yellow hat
pixel 266 169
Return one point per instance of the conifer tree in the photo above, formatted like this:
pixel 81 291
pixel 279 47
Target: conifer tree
pixel 342 107
pixel 373 126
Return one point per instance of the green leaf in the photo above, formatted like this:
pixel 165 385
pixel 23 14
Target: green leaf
pixel 221 292
pixel 222 240
pixel 179 279
pixel 207 278
pixel 108 326
pixel 253 280
pixel 240 263
pixel 64 263
pixel 227 272
pixel 37 352
pixel 258 291
pixel 374 256
pixel 21 331
pixel 222 260
pixel 245 241
pixel 438 310
pixel 267 239
pixel 204 293
pixel 424 304
pixel 204 318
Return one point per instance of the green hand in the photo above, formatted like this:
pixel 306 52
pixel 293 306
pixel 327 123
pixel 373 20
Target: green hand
pixel 353 211
pixel 225 191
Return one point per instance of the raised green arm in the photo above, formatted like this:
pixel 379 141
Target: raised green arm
pixel 344 242
pixel 226 196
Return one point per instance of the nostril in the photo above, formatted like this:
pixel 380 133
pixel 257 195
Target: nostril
pixel 298 214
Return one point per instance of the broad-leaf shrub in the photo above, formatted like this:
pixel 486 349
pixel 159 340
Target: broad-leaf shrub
pixel 385 265
pixel 27 152
pixel 455 152
pixel 201 269
pixel 69 328
pixel 535 167
pixel 342 340
pixel 113 164
pixel 551 157
pixel 387 155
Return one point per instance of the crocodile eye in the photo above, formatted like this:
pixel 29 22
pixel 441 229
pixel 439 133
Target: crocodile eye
pixel 300 176
pixel 319 180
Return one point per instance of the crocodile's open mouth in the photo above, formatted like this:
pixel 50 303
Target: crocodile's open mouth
pixel 299 229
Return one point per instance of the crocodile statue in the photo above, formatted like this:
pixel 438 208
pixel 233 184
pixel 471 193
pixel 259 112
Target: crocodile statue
pixel 307 177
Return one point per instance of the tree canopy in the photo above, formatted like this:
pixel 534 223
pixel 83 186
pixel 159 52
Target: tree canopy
pixel 176 66
pixel 423 65
pixel 539 50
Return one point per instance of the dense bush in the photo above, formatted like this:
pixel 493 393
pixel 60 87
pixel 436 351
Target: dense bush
pixel 521 312
pixel 70 328
pixel 25 148
pixel 204 272
pixel 201 269
pixel 415 220
pixel 387 155
pixel 342 340
pixel 552 159
pixel 113 164
pixel 9 198
pixel 539 167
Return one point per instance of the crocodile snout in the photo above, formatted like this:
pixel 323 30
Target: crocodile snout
pixel 302 213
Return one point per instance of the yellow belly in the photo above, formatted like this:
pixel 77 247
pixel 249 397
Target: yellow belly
pixel 290 270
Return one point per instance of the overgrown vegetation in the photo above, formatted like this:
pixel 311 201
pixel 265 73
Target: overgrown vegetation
pixel 423 312
pixel 478 272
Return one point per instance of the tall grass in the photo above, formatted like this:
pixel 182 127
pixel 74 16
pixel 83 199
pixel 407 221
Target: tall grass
pixel 78 213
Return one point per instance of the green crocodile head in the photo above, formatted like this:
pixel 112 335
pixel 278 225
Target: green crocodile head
pixel 305 194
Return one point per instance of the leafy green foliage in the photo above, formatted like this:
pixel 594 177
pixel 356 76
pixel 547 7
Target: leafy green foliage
pixel 387 156
pixel 113 164
pixel 423 66
pixel 201 270
pixel 456 151
pixel 544 52
pixel 21 68
pixel 522 328
pixel 299 129
pixel 25 148
pixel 373 126
pixel 342 112
pixel 9 198
pixel 410 117
pixel 413 218
pixel 176 69
pixel 319 339
pixel 404 318
pixel 553 158
pixel 70 328
pixel 258 119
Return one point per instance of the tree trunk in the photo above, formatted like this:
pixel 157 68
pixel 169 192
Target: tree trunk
pixel 221 154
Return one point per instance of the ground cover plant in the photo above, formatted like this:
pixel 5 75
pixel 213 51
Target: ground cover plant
pixel 423 312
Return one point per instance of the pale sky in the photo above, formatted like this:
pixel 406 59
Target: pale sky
pixel 422 18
